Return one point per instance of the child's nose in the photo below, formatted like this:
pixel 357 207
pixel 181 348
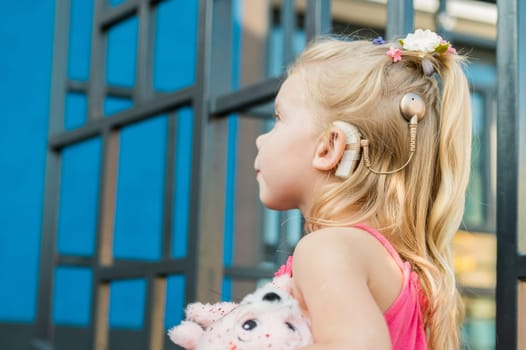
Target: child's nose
pixel 259 140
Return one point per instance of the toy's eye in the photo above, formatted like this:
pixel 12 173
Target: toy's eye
pixel 272 297
pixel 249 325
pixel 291 327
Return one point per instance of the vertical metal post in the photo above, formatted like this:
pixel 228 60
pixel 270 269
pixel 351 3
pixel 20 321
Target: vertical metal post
pixel 288 25
pixel 97 84
pixel 144 65
pixel 318 18
pixel 99 326
pixel 400 18
pixel 104 241
pixel 508 127
pixel 209 144
pixel 43 325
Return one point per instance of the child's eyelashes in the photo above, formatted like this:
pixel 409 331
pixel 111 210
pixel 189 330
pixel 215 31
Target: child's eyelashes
pixel 276 116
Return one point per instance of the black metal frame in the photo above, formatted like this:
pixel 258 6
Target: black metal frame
pixel 212 99
pixel 511 263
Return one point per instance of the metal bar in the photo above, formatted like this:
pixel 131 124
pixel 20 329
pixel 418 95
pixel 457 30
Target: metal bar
pixel 169 185
pixel 154 322
pixel 77 86
pixel 245 98
pixel 99 329
pixel 158 105
pixel 145 49
pixel 318 18
pixel 288 24
pixel 521 116
pixel 400 18
pixel 97 84
pixel 208 152
pixel 487 169
pixel 247 273
pixel 77 261
pixel 114 15
pixel 521 267
pixel 81 87
pixel 44 329
pixel 507 152
pixel 119 271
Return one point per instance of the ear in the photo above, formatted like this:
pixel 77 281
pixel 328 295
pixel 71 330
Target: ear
pixel 329 150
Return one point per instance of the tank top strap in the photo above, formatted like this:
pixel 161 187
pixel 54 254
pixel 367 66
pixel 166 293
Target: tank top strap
pixel 384 241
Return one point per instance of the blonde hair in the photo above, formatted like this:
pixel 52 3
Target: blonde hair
pixel 420 207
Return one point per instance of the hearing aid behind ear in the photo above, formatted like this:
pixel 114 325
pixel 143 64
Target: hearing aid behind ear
pixel 413 109
pixel 351 155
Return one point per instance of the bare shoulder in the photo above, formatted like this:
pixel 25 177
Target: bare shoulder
pixel 354 256
pixel 334 270
pixel 347 243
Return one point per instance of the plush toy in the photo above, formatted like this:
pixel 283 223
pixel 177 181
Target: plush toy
pixel 269 318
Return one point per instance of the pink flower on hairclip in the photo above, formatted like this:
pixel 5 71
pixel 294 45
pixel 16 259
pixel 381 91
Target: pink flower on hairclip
pixel 395 54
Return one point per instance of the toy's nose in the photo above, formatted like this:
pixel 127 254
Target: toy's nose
pixel 272 297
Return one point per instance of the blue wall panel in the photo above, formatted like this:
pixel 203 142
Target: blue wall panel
pixel 26 32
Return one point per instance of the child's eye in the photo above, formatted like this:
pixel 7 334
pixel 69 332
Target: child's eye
pixel 276 116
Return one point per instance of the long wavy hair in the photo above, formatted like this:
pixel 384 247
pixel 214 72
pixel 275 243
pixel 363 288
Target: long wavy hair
pixel 420 207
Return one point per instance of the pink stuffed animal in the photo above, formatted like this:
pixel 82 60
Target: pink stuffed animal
pixel 269 318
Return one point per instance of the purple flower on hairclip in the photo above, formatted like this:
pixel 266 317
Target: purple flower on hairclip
pixel 395 54
pixel 378 41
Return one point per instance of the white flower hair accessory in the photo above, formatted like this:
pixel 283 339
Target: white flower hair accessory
pixel 427 41
pixel 424 41
pixel 421 40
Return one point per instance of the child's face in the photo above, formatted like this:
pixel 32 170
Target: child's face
pixel 284 162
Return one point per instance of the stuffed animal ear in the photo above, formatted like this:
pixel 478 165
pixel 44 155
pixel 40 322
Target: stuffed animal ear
pixel 186 335
pixel 206 314
pixel 283 282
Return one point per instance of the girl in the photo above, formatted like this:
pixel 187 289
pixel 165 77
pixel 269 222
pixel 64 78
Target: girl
pixel 372 143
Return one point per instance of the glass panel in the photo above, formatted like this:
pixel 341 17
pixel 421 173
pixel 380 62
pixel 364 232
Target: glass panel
pixel 122 53
pixel 113 105
pixel 72 297
pixel 138 220
pixel 80 39
pixel 25 73
pixel 175 45
pixel 78 198
pixel 76 109
pixel 475 259
pixel 479 324
pixel 127 300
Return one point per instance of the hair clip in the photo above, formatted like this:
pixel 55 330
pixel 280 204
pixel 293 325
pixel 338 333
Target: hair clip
pixel 378 41
pixel 424 41
pixel 395 54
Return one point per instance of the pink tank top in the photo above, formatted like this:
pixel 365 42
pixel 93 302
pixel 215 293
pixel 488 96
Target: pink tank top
pixel 404 316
